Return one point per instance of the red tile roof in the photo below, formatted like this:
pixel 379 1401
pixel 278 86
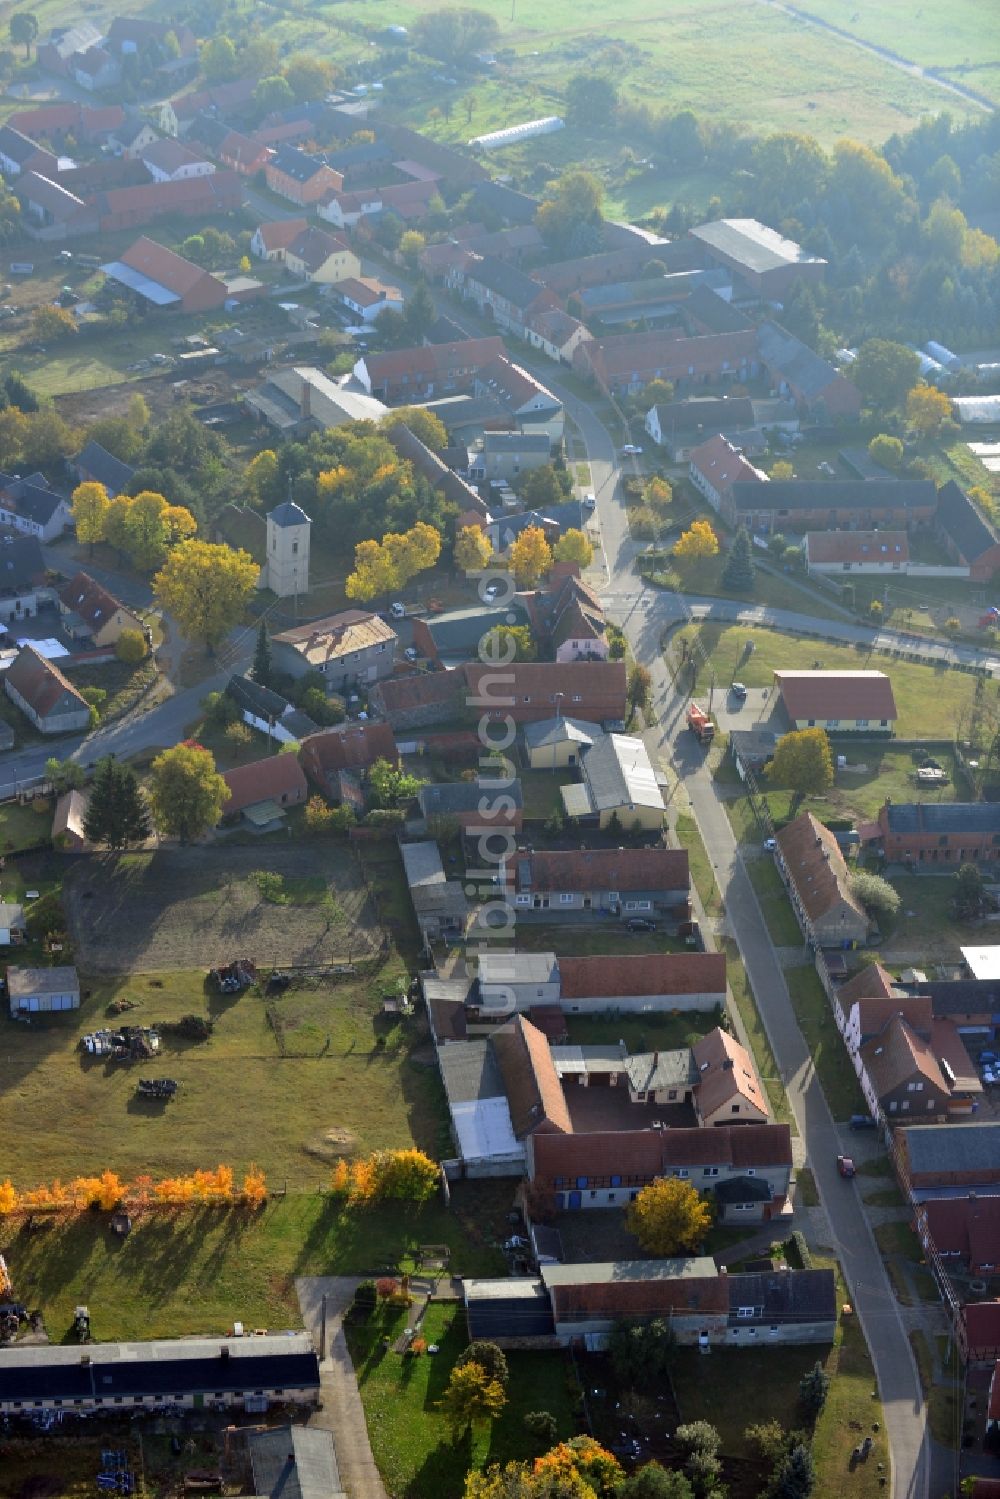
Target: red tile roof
pixel 592 690
pixel 726 1072
pixel 875 1012
pixel 656 1152
pixel 279 235
pixel 898 1054
pixel 871 982
pixel 857 546
pixel 982 1328
pixel 825 695
pixel 162 265
pixel 40 682
pixel 643 973
pixel 534 1093
pixel 443 689
pixel 432 359
pixel 635 1298
pixel 816 866
pixel 90 599
pixel 352 748
pixel 265 780
pixel 721 464
pixel 168 154
pixel 966 1226
pixel 604 869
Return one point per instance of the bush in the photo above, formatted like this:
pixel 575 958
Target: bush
pixel 489 1357
pixel 131 647
pixel 365 1299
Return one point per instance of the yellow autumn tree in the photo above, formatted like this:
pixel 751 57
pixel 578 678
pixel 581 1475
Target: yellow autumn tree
pixel 668 1217
pixel 9 1198
pixel 530 557
pixel 697 543
pixel 382 567
pixel 471 1395
pixel 472 550
pixel 254 1192
pixel 406 1175
pixel 89 508
pixel 574 546
pixel 927 410
pixel 340 1181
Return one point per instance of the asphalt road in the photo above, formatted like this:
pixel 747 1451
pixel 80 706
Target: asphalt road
pixel 644 615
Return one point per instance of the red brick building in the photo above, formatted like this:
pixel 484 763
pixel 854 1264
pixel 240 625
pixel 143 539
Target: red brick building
pixel 939 832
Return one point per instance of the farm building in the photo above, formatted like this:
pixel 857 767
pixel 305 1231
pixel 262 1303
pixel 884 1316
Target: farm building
pixel 38 991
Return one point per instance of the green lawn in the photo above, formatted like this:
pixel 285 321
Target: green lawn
pixel 583 940
pixel 24 827
pixel 762 1385
pixel 702 874
pixel 929 700
pixel 193 1271
pixel 833 1065
pixel 774 591
pixel 772 897
pixel 924 925
pixel 411 1441
pixel 292 1080
pixel 661 1032
pixel 540 789
pixel 767 1067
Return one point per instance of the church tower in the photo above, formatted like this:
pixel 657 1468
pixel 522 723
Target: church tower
pixel 288 550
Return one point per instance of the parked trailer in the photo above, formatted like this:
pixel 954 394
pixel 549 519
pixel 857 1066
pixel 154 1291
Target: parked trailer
pixel 700 723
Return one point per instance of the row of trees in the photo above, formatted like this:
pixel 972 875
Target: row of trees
pixel 108 1191
pixel 387 1175
pixel 142 527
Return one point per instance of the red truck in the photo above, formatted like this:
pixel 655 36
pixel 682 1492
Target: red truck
pixel 700 722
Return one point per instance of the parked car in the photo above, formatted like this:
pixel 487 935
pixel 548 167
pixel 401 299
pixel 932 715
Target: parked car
pixel 397 610
pixel 411 653
pixel 862 1121
pixel 770 845
pixel 640 924
pixel 588 502
pixel 738 689
pixel 845 1165
pixel 631 450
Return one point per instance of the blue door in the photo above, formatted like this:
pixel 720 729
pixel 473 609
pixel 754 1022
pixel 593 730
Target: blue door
pixel 575 1199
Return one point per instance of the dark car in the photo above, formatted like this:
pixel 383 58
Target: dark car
pixel 640 924
pixel 863 1121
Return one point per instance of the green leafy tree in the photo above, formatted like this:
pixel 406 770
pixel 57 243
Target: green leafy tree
pixel 390 785
pixel 218 59
pixel 570 218
pixel 23 29
pixel 768 1438
pixel 654 1482
pixel 64 775
pixel 512 643
pixel 885 372
pixel 308 77
pixel 489 1357
pixel 876 894
pixel 701 1443
pixel 53 323
pixel 542 1427
pixel 262 664
pixel 131 647
pixel 454 33
pixel 803 761
pixel 591 102
pixel 426 425
pixel 238 738
pixel 471 1396
pixel 117 814
pixel 187 794
pixel 814 1388
pixel 272 94
pixel 640 1351
pixel 668 1216
pixel 574 546
pixel 738 571
pixel 886 450
pixel 545 486
pixel 639 685
pixel 969 893
pixel 796 1475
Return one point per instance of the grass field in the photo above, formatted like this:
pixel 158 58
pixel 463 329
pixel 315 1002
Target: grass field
pixel 775 591
pixel 763 1056
pixel 411 1440
pixel 833 1065
pixel 195 1271
pixel 929 700
pixel 772 898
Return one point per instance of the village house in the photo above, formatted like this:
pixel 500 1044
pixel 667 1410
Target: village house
pixel 977 1332
pixel 765 261
pixel 819 883
pixel 619 788
pixel 365 297
pixel 462 802
pixel 964 1229
pixel 900 1073
pixel 439 904
pixel 50 211
pixel 557 743
pixel 225 100
pixel 842 702
pixel 452 637
pixel 509 455
pixel 262 791
pixel 815 386
pixel 90 613
pixel 966 534
pixel 832 505
pixel 353 747
pixel 271 241
pixel 95 70
pixel 351 649
pixel 64 42
pixel 68 820
pixel 23 585
pixel 321 258
pixel 20 154
pixel 94 464
pixel 239 1373
pixel 642 983
pixel 529 690
pixel 624 362
pixel 434 369
pixel 303 399
pixel 634 882
pixel 268 712
pixel 132 136
pixel 166 160
pixel 31 508
pixel 867 552
pixel 555 333
pixel 300 178
pixel 40 991
pixel 728 1090
pixel 567 617
pixel 680 426
pixel 44 695
pixel 500 291
pixel 938 832
pixel 715 466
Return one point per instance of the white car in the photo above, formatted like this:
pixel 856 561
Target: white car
pixel 630 450
pixel 411 653
pixel 397 610
pixel 490 593
pixel 770 845
pixel 588 502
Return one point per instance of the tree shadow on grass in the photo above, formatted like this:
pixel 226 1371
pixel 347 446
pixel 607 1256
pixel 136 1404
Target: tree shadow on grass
pixel 443 1469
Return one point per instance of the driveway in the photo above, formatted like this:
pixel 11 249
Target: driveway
pixel 342 1412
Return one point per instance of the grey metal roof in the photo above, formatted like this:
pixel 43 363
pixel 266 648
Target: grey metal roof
pixel 24 981
pixel 517 442
pixel 755 245
pixel 470 1072
pixel 558 731
pixel 289 514
pixel 422 863
pixel 944 817
pixel 800 365
pixel 960 996
pixel 463 629
pixel 743 1189
pixel 518 968
pixel 104 468
pixel 650 1071
pixel 296 164
pixel 784 1296
pixel 835 494
pixel 294 1462
pixel 957 1146
pixel 505 280
pixel 695 1267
